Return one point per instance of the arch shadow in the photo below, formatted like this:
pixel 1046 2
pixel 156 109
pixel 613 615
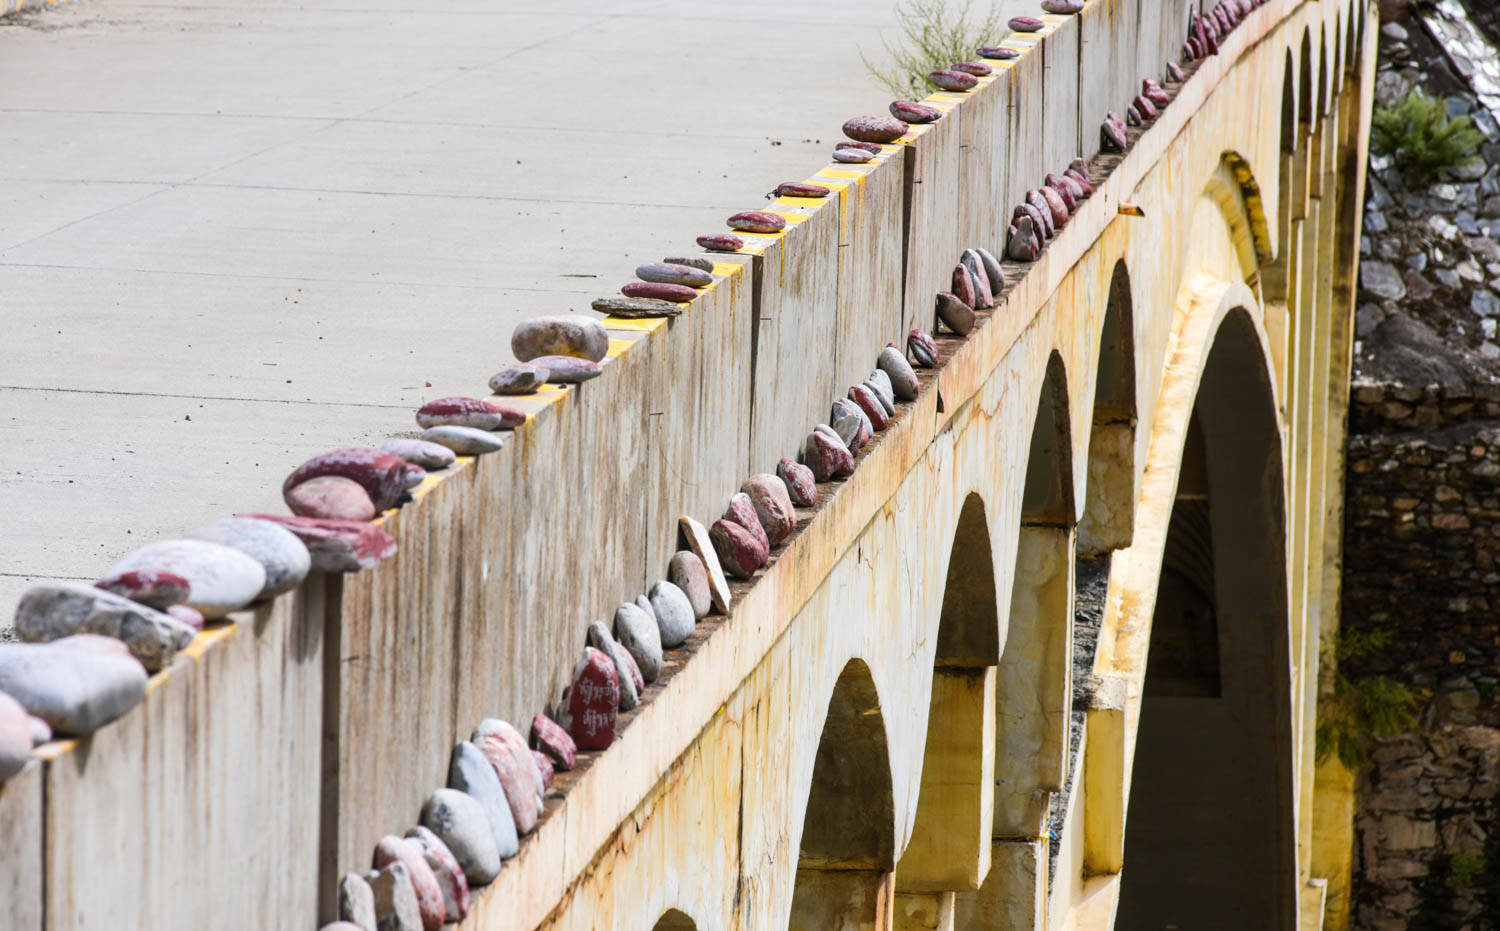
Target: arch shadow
pixel 673 920
pixel 1108 517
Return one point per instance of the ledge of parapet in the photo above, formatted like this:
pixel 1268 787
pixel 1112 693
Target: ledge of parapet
pixel 16 12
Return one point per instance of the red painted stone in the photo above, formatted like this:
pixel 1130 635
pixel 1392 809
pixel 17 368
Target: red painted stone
pixel 773 506
pixel 963 286
pixel 548 737
pixel 1044 210
pixel 543 766
pixel 720 242
pixel 801 487
pixel 393 849
pixel 469 412
pixel 1145 107
pixel 1025 23
pixel 801 189
pixel 827 456
pixel 998 52
pixel 381 473
pixel 1064 189
pixel 742 511
pixel 192 617
pixel 450 876
pixel 331 497
pixel 950 80
pixel 592 701
pixel 507 752
pixel 977 68
pixel 874 129
pixel 1154 92
pixel 337 545
pixel 1078 170
pixel 874 148
pixel 660 290
pixel 870 404
pixel 739 551
pixel 757 221
pixel 1056 205
pixel 912 112
pixel 155 588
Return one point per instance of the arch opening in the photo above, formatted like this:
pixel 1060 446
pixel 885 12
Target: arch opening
pixel 674 920
pixel 1109 496
pixel 848 845
pixel 1209 836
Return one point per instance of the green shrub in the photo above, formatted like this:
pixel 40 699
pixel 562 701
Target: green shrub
pixel 933 36
pixel 1418 134
pixel 1463 867
pixel 1354 712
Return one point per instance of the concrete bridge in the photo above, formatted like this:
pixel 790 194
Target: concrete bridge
pixel 1048 658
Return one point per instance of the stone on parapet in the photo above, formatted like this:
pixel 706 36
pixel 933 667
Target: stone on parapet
pixel 383 474
pixel 773 505
pixel 997 52
pixel 800 189
pixel 636 631
pixel 469 771
pixel 1021 244
pixel 507 752
pixel 903 380
pixel 675 617
pixel 739 551
pixel 875 129
pixel 51 612
pixel 880 383
pixel 460 822
pixel 949 80
pixel 568 370
pixel 424 884
pixel 698 540
pixel 284 558
pixel 154 588
pixel 850 423
pixel 1025 24
pixel 920 346
pixel 720 242
pixel 544 768
pixel 450 876
pixel 910 111
pixel 741 510
pixel 984 297
pixel 963 286
pixel 657 291
pixel 691 261
pixel 465 441
pixel 330 497
pixel 977 68
pixel 685 275
pixel 469 412
pixel 77 684
pixel 687 572
pixel 415 475
pixel 591 703
pixel 522 378
pixel 801 486
pixel 1056 206
pixel 563 335
pixel 1063 7
pixel 851 156
pixel 757 221
pixel 357 902
pixel 41 731
pixel 15 737
pixel 337 545
pixel 637 308
pixel 547 736
pixel 221 579
pixel 396 906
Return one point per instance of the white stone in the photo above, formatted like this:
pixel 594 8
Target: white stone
pixel 223 579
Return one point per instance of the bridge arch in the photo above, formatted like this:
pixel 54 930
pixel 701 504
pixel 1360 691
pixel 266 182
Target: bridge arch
pixel 673 920
pixel 1108 514
pixel 847 848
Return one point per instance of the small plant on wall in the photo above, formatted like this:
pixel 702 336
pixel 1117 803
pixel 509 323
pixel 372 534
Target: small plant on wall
pixel 1356 711
pixel 934 35
pixel 1422 139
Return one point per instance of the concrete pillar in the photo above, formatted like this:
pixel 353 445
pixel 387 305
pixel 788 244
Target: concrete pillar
pixel 1014 895
pixel 848 900
pixel 925 911
pixel 1105 751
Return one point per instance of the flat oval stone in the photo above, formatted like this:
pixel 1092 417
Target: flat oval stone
pixel 284 558
pixel 15 737
pixel 450 876
pixel 675 617
pixel 1055 204
pixel 696 536
pixel 357 902
pixel 920 346
pixel 222 579
pixel 977 68
pixel 909 111
pixel 628 674
pixel 549 737
pixel 469 412
pixel 801 486
pixel 955 314
pixel 691 261
pixel 870 406
pixel 469 771
pixel 1025 23
pixel 429 895
pixel 1063 7
pixel 430 456
pixel 687 572
pixel 963 286
pixel 506 750
pixel 850 156
pixel 742 512
pixel 950 80
pixel 459 822
pixel 880 383
pixel 591 704
pixel 567 370
pixel 998 52
pixel 559 335
pixel 339 545
pixel 465 441
pixel 521 378
pixel 637 633
pixel 903 379
pixel 51 612
pixel 382 474
pixel 801 189
pixel 192 617
pixel 993 270
pixel 636 308
pixel 332 497
pixel 875 129
pixel 153 588
pixel 685 275
pixel 773 506
pixel 77 684
pixel 739 551
pixel 396 907
pixel 720 242
pixel 651 290
pixel 874 148
pixel 757 221
pixel 826 455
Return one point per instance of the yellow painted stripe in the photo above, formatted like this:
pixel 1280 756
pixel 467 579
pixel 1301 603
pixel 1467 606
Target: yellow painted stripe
pixel 792 218
pixel 640 325
pixel 841 173
pixel 792 201
pixel 618 347
pixel 728 268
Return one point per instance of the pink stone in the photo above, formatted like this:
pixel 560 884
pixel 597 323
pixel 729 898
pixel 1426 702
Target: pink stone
pixel 827 456
pixel 592 701
pixel 1056 205
pixel 1044 210
pixel 848 155
pixel 721 242
pixel 801 189
pixel 1078 170
pixel 337 545
pixel 875 129
pixel 381 473
pixel 742 511
pixel 660 291
pixel 773 506
pixel 507 752
pixel 569 370
pixel 1174 71
pixel 155 588
pixel 910 111
pixel 331 497
pixel 950 80
pixel 393 849
pixel 963 286
pixel 871 406
pixel 977 68
pixel 954 313
pixel 739 551
pixel 543 766
pixel 1026 23
pixel 1064 188
pixel 1112 136
pixel 468 412
pixel 1154 93
pixel 999 52
pixel 800 485
pixel 548 737
pixel 757 221
pixel 874 148
pixel 450 876
pixel 190 616
pixel 1145 107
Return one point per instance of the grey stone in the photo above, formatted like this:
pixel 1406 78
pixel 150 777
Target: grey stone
pixel 466 441
pixel 41 731
pixel 1446 277
pixel 357 902
pixel 846 423
pixel 1458 105
pixel 880 383
pixel 430 456
pixel 903 379
pixel 1375 222
pixel 643 602
pixel 284 558
pixel 395 899
pixel 523 378
pixel 470 772
pixel 445 868
pixel 223 579
pixel 15 737
pixel 1417 261
pixel 1366 319
pixel 1485 303
pixel 77 684
pixel 626 666
pixel 698 541
pixel 687 572
pixel 637 633
pixel 1466 223
pixel 51 612
pixel 675 617
pixel 460 821
pixel 1380 279
pixel 1394 31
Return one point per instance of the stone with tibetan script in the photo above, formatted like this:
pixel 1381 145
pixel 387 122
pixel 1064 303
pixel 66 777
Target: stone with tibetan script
pixel 450 876
pixel 695 535
pixel 506 750
pixel 382 473
pixel 338 545
pixel 331 497
pixel 284 558
pixel 591 704
pixel 221 579
pixel 392 849
pixel 470 771
pixel 800 484
pixel 549 737
pixel 687 572
pixel 459 821
pixel 675 617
